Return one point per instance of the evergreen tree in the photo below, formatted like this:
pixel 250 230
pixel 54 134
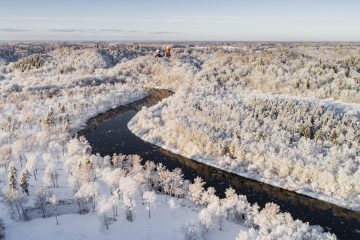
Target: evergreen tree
pixel 12 177
pixel 50 119
pixel 24 181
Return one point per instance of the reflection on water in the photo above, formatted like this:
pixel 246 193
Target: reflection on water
pixel 108 133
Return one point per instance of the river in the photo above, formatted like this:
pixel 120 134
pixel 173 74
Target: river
pixel 107 133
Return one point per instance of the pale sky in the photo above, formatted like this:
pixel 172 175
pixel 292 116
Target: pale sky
pixel 225 20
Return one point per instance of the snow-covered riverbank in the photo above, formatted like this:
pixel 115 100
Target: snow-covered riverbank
pixel 286 142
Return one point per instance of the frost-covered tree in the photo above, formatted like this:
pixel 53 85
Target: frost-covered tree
pixel 63 136
pixel 17 149
pixel 127 188
pixel 115 201
pixel 86 171
pixel 50 176
pixel 54 148
pixel 41 200
pixel 267 217
pixel 24 181
pixel 118 161
pixel 190 231
pixel 149 198
pixel 12 176
pixel 32 165
pixel 5 151
pixel 251 215
pixel 247 235
pixel 208 196
pixel 220 209
pixel 236 206
pixel 77 146
pixel 206 221
pixel 53 202
pixel 103 211
pixel 196 190
pixel 15 200
pixel 176 183
pixel 150 174
pixel 50 119
pixel 83 179
pixel 137 172
pixel 230 201
pixel 165 180
pixel 158 183
pixel 111 177
pixel 88 193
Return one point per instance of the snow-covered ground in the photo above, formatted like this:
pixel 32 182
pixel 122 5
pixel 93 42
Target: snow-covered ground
pixel 165 223
pixel 47 92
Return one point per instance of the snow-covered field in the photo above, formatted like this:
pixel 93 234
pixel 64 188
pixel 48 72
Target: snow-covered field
pixel 255 109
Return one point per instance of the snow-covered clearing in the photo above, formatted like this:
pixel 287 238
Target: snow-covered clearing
pixel 47 92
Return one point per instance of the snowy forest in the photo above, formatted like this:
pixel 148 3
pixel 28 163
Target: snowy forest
pixel 286 114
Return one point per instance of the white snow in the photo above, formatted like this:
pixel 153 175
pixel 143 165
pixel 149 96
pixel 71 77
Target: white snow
pixel 165 223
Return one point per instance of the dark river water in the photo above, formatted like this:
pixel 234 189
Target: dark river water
pixel 108 133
